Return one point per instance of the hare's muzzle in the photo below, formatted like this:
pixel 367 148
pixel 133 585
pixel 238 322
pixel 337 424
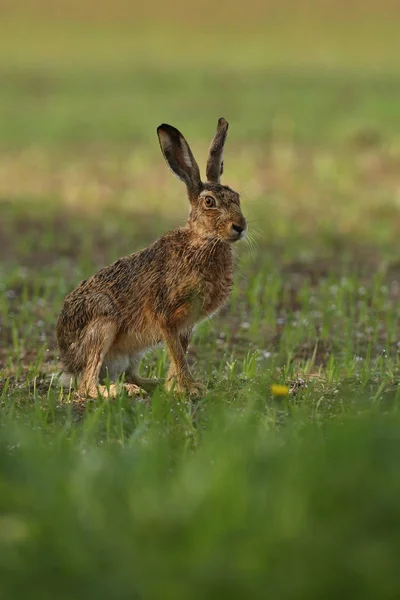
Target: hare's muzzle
pixel 237 231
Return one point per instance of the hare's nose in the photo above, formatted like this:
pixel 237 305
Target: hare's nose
pixel 237 229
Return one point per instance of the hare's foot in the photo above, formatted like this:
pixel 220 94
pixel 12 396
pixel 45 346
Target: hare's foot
pixel 111 391
pixel 97 390
pixel 147 384
pixel 196 389
pixel 134 390
pixel 186 386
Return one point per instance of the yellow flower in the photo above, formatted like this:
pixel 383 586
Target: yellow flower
pixel 279 390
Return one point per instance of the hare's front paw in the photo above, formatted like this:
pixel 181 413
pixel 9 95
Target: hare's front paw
pixel 196 389
pixel 186 386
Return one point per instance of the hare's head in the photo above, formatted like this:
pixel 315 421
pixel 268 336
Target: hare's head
pixel 215 208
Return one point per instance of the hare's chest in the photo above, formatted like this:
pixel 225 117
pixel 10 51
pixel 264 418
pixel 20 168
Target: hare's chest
pixel 202 290
pixel 214 294
pixel 198 301
pixel 215 285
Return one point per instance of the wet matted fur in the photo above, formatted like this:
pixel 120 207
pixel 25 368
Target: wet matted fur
pixel 157 294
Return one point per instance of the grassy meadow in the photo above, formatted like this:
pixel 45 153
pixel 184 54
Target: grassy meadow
pixel 245 493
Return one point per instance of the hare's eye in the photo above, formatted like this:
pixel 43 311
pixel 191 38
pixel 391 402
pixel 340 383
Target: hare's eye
pixel 209 201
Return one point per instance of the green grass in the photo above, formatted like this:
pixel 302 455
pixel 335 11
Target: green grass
pixel 303 514
pixel 243 494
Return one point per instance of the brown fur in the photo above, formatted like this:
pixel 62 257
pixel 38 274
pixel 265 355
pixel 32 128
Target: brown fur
pixel 159 293
pixel 215 163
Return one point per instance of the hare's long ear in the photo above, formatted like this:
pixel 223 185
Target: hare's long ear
pixel 215 164
pixel 179 158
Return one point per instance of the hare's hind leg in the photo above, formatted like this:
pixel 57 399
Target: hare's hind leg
pixel 99 337
pixel 132 375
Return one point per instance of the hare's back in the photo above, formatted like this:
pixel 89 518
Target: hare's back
pixel 117 291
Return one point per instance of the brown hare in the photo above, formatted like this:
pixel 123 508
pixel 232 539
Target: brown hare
pixel 157 294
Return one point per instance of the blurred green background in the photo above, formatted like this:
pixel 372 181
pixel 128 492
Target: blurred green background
pixel 244 494
pixel 311 90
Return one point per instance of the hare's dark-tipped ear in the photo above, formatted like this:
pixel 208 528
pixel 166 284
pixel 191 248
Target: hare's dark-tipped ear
pixel 179 157
pixel 215 164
